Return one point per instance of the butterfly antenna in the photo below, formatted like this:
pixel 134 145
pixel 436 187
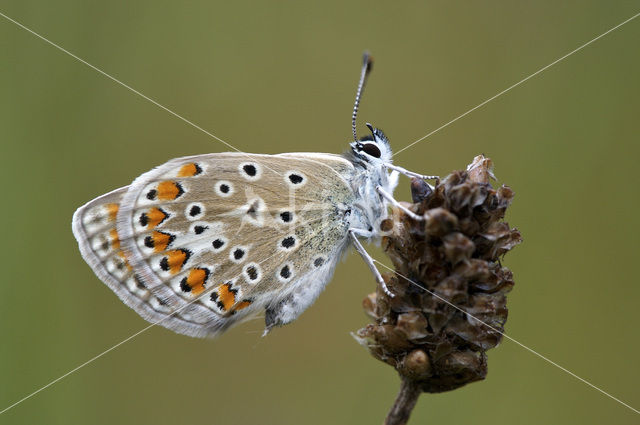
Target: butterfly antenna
pixel 367 64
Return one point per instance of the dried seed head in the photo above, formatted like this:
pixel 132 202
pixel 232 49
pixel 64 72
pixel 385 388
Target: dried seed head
pixel 452 260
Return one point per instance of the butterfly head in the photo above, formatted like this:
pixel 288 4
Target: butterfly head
pixel 373 149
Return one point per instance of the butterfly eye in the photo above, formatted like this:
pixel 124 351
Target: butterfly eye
pixel 372 149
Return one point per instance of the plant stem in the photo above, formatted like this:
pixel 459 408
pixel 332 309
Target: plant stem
pixel 405 402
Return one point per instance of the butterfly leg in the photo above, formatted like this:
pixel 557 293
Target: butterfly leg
pixel 409 173
pixel 397 204
pixel 368 259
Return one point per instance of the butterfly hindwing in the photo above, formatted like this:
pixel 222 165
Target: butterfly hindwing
pixel 215 239
pixel 94 226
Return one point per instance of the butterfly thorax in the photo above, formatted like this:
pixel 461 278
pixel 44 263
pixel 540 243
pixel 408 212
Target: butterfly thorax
pixel 369 207
pixel 368 156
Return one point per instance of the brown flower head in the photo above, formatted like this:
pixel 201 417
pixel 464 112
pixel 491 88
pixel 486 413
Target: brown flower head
pixel 449 283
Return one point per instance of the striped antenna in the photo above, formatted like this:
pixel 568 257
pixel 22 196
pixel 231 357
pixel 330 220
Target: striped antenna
pixel 367 64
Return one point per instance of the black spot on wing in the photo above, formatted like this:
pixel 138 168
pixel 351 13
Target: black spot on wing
pixel 250 169
pixel 295 178
pixel 288 242
pixel 252 273
pixel 238 253
pixel 285 272
pixel 286 216
pixel 194 210
pixel 199 229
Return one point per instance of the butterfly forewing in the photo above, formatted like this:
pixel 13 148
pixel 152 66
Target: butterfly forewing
pixel 218 238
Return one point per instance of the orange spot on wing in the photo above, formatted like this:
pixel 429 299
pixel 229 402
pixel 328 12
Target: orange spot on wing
pixel 160 240
pixel 112 210
pixel 122 255
pixel 196 280
pixel 189 170
pixel 155 216
pixel 176 260
pixel 241 305
pixel 115 240
pixel 168 191
pixel 226 296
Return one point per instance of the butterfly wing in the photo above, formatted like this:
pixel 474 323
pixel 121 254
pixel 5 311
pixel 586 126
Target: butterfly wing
pixel 94 227
pixel 219 238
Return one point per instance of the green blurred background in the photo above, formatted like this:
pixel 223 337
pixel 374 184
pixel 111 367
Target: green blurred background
pixel 280 76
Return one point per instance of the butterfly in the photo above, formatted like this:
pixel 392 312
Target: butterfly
pixel 204 242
